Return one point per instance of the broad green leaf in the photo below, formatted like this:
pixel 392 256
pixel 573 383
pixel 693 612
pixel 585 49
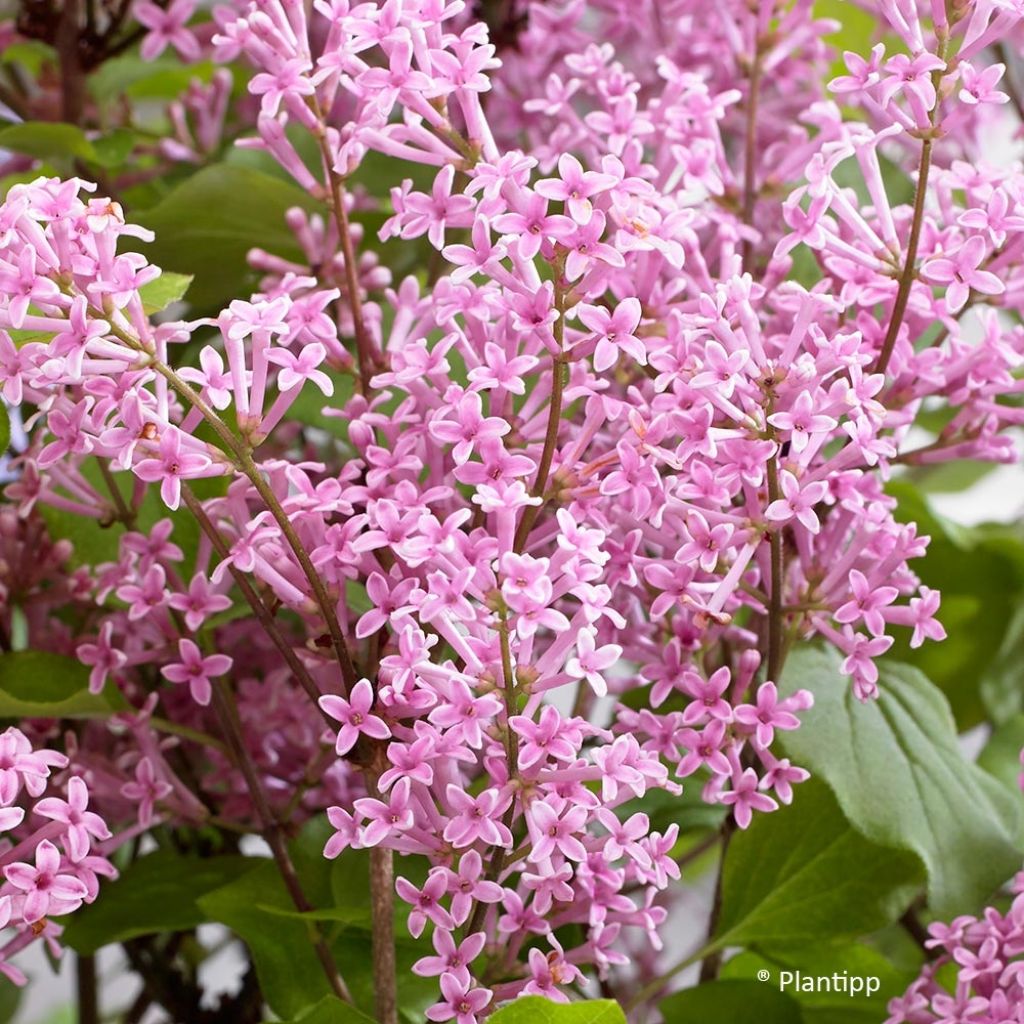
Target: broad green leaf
pixel 537 1010
pixel 980 574
pixel 950 477
pixel 290 975
pixel 896 768
pixel 823 961
pixel 5 428
pixel 856 31
pixel 10 998
pixel 736 1001
pixel 257 907
pixel 331 1010
pixel 167 288
pixel 113 149
pixel 31 54
pixel 47 140
pixel 39 684
pixel 803 873
pixel 158 893
pixel 129 75
pixel 1001 688
pixel 208 224
pixel 1001 755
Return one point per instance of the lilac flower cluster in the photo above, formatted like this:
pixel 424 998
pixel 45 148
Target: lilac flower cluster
pixel 49 858
pixel 609 446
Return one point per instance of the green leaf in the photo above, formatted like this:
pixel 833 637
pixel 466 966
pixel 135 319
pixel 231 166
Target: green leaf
pixel 537 1010
pixel 31 54
pixel 331 1010
pixel 803 873
pixel 290 975
pixel 206 226
pixel 158 893
pixel 736 1001
pixel 856 31
pixel 47 140
pixel 980 574
pixel 38 684
pixel 257 907
pixel 128 75
pixel 10 998
pixel 1000 683
pixel 1001 755
pixel 896 768
pixel 826 1007
pixel 5 428
pixel 167 288
pixel 112 150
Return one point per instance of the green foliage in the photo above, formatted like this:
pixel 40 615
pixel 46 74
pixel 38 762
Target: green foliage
pixel 824 961
pixel 158 893
pixel 738 1001
pixel 38 684
pixel 331 1010
pixel 128 75
pixel 896 768
pixel 10 998
pixel 257 907
pixel 113 150
pixel 1001 688
pixel 167 288
pixel 803 874
pixel 856 30
pixel 5 428
pixel 207 224
pixel 47 140
pixel 31 54
pixel 537 1010
pixel 1001 755
pixel 980 573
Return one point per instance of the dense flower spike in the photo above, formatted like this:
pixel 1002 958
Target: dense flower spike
pixel 596 469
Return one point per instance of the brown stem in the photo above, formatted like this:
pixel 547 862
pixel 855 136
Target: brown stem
pixel 330 615
pixel 775 616
pixel 899 308
pixel 87 989
pixel 364 343
pixel 123 512
pixel 559 370
pixel 497 862
pixel 382 911
pixel 914 927
pixel 227 713
pixel 255 602
pixel 712 963
pixel 72 79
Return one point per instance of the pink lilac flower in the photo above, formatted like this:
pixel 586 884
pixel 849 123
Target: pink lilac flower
pixel 196 670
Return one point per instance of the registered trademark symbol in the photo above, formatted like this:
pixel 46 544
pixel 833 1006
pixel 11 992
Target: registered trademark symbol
pixel 763 975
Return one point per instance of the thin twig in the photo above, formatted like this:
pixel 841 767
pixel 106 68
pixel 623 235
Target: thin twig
pixel 255 602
